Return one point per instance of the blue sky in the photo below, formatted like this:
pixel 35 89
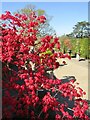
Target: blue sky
pixel 65 14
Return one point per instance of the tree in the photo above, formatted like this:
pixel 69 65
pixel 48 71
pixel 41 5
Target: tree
pixel 66 43
pixel 29 91
pixel 84 48
pixel 80 35
pixel 44 29
pixel 81 29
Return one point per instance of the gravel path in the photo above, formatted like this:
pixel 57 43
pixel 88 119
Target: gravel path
pixel 76 68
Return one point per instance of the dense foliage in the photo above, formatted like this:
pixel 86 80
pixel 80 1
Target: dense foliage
pixel 44 29
pixel 76 45
pixel 29 91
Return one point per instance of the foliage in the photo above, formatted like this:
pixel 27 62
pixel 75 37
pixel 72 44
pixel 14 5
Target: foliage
pixel 66 43
pixel 24 73
pixel 84 48
pixel 81 30
pixel 80 45
pixel 76 45
pixel 44 29
pixel 80 39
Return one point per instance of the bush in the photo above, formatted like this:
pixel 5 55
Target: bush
pixel 28 92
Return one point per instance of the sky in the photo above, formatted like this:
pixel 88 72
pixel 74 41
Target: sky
pixel 64 14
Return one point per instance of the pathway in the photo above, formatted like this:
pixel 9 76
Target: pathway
pixel 76 68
